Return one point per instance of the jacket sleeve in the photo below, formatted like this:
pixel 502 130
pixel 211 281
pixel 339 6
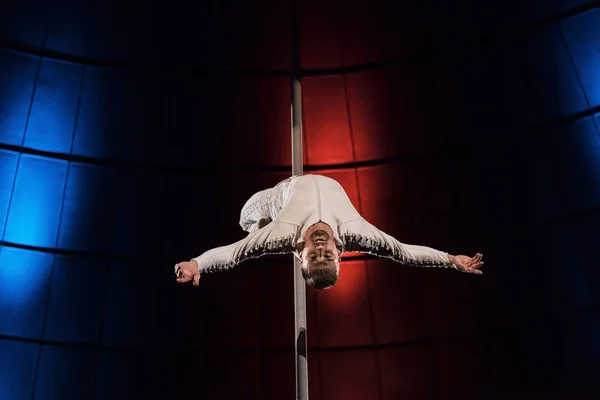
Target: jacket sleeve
pixel 277 238
pixel 361 236
pixel 264 206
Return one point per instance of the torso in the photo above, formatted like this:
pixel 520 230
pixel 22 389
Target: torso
pixel 317 199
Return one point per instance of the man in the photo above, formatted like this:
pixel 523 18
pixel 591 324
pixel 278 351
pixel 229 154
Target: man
pixel 312 217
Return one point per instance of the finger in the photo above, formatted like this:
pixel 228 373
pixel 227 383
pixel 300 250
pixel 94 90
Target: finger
pixel 197 280
pixel 474 268
pixel 469 269
pixel 184 279
pixel 476 260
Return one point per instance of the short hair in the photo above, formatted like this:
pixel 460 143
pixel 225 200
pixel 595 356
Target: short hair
pixel 322 275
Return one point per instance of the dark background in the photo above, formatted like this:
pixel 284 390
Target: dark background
pixel 132 134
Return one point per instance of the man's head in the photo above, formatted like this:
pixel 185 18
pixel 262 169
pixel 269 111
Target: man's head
pixel 320 259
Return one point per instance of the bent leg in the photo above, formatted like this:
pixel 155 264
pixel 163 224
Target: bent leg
pixel 253 215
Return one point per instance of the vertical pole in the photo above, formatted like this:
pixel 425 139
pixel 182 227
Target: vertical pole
pixel 299 284
pixel 297 169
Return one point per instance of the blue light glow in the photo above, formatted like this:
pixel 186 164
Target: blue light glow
pixel 8 167
pixel 24 284
pixel 550 85
pixel 87 216
pixel 17 369
pixel 582 34
pixel 17 79
pixel 52 120
pixel 576 162
pixel 35 207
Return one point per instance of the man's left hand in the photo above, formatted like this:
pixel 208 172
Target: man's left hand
pixel 468 264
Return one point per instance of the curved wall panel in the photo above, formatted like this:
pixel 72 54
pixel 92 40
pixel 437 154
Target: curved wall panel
pixel 275 121
pixel 8 168
pixel 35 208
pixel 130 311
pixel 99 124
pixel 240 34
pixel 329 139
pixel 255 38
pixel 65 371
pixel 341 315
pixel 18 368
pixel 579 33
pixel 54 107
pixel 320 44
pixel 585 231
pixel 122 155
pixel 78 321
pixel 17 81
pixel 24 301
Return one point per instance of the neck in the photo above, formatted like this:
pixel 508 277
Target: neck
pixel 319 226
pixel 311 229
pixel 316 227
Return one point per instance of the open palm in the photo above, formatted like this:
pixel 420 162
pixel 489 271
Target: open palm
pixel 468 264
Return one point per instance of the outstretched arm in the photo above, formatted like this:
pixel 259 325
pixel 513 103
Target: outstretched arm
pixel 361 236
pixel 276 238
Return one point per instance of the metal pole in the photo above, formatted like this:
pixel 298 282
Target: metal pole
pixel 299 284
pixel 297 169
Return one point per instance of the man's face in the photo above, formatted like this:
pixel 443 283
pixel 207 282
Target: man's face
pixel 319 249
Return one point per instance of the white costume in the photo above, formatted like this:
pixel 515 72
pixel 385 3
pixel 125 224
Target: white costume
pixel 277 219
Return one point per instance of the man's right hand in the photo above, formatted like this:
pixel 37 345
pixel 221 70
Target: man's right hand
pixel 187 271
pixel 467 264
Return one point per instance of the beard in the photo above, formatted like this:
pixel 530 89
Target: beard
pixel 319 236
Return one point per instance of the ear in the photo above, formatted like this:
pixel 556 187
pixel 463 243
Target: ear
pixel 298 256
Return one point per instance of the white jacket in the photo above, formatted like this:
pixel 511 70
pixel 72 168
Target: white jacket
pixel 277 219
